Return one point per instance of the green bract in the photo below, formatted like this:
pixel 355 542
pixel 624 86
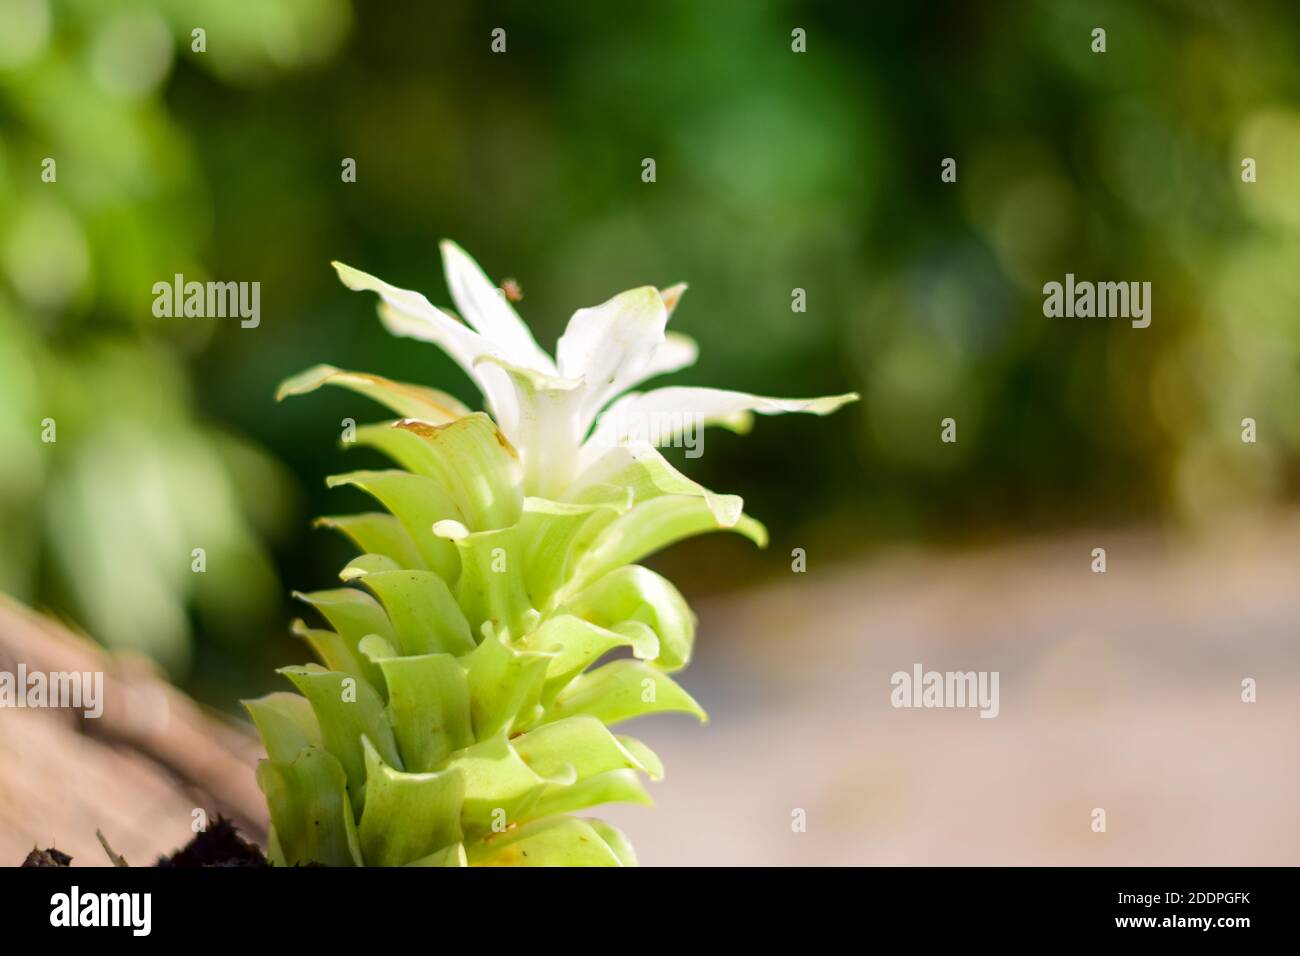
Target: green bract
pixel 461 711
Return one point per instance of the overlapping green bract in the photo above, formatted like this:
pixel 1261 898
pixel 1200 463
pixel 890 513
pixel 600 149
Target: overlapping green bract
pixel 459 714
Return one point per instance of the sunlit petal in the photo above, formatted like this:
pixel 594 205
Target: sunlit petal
pixel 610 345
pixel 546 429
pixel 484 307
pixel 666 412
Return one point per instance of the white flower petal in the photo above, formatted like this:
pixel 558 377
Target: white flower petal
pixel 466 347
pixel 482 305
pixel 412 303
pixel 455 338
pixel 666 412
pixel 674 353
pixel 610 345
pixel 546 432
pixel 409 314
pixel 502 399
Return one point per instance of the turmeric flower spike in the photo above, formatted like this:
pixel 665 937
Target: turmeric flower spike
pixel 459 715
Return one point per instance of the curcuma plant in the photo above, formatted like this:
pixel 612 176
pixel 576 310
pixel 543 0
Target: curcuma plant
pixel 497 625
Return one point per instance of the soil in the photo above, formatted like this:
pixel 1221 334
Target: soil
pixel 218 845
pixel 50 857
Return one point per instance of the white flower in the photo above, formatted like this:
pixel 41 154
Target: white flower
pixel 547 407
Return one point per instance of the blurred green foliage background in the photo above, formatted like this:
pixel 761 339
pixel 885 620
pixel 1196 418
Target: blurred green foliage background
pixel 775 171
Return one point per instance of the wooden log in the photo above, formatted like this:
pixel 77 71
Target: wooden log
pixel 139 772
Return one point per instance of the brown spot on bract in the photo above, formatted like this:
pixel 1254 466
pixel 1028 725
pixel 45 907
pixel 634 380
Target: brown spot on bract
pixel 422 428
pixel 504 442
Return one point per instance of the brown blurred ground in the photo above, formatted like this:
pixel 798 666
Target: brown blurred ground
pixel 1119 691
pixel 137 773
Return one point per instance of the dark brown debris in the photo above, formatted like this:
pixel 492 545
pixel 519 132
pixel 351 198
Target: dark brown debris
pixel 49 857
pixel 219 845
